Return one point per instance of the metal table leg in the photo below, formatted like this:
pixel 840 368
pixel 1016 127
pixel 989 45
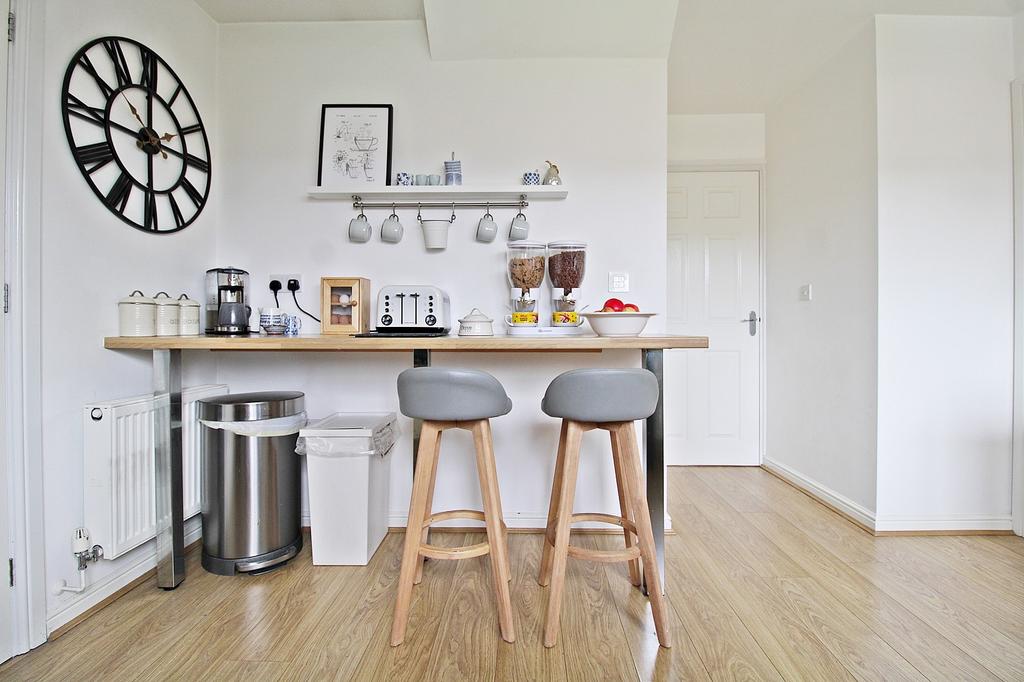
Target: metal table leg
pixel 654 445
pixel 170 521
pixel 420 358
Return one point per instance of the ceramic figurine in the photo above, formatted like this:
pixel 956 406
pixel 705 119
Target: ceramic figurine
pixel 551 176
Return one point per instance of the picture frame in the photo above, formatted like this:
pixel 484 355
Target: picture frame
pixel 355 145
pixel 344 305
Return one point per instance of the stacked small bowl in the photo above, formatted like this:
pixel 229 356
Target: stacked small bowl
pixel 453 172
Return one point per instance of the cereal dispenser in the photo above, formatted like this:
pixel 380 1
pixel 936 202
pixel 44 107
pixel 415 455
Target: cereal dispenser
pixel 526 262
pixel 566 267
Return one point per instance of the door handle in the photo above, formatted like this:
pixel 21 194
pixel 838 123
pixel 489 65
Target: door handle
pixel 752 320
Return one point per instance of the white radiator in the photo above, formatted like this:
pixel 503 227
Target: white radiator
pixel 120 507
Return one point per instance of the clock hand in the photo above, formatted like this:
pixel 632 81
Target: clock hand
pixel 135 113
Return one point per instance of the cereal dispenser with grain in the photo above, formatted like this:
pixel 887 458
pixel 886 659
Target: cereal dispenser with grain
pixel 566 267
pixel 526 264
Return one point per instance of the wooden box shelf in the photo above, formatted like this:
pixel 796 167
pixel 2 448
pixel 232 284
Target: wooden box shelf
pixel 344 305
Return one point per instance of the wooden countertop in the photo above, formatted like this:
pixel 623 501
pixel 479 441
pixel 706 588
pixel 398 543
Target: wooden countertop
pixel 438 343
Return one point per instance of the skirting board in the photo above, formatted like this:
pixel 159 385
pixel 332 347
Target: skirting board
pixel 944 525
pixel 113 586
pixel 890 525
pixel 842 505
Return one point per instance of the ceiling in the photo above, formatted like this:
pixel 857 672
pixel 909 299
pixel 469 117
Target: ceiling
pixel 726 56
pixel 241 11
pixel 737 56
pixel 540 29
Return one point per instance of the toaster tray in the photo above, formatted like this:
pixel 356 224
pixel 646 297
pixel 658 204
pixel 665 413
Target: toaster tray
pixel 403 333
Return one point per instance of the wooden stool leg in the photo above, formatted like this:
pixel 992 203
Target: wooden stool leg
pixel 567 491
pixel 626 436
pixel 625 508
pixel 421 559
pixel 556 490
pixel 502 526
pixel 426 462
pixel 488 475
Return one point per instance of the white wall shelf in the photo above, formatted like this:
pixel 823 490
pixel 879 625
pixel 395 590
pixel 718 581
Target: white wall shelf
pixel 440 193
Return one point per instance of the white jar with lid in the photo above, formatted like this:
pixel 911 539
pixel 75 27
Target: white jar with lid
pixel 476 324
pixel 136 315
pixel 166 314
pixel 188 316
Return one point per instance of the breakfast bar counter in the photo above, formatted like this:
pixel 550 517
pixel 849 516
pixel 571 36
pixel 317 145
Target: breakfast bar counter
pixel 519 344
pixel 167 366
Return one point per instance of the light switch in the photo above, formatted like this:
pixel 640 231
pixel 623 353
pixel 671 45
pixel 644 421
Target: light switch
pixel 618 282
pixel 805 292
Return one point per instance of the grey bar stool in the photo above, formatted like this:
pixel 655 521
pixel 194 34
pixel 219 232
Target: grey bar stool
pixel 608 399
pixel 452 399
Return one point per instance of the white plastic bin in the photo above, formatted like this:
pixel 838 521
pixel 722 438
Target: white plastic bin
pixel 349 474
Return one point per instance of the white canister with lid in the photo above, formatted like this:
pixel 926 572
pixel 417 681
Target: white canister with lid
pixel 476 324
pixel 188 316
pixel 136 315
pixel 166 314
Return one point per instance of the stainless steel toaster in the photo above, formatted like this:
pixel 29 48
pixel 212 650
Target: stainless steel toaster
pixel 413 309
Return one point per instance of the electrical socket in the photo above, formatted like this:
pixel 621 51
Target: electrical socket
pixel 283 279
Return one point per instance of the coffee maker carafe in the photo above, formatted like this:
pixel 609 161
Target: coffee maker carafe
pixel 227 301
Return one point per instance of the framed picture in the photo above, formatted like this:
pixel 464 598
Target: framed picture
pixel 355 145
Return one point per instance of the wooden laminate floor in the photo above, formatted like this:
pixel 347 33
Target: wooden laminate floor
pixel 764 583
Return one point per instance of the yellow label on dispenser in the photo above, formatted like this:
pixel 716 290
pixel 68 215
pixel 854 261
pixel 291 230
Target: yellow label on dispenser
pixel 565 318
pixel 525 318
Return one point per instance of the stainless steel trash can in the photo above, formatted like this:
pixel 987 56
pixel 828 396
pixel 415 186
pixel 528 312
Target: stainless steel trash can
pixel 251 486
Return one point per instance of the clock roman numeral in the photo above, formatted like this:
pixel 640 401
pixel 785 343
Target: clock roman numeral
pixel 119 192
pixel 116 54
pixel 149 68
pixel 150 218
pixel 91 70
pixel 177 91
pixel 194 194
pixel 179 219
pixel 188 130
pixel 197 163
pixel 80 109
pixel 97 155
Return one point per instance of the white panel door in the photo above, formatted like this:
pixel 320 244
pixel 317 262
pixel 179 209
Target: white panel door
pixel 712 397
pixel 6 591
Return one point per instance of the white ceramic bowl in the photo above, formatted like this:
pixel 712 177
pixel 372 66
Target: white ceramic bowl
pixel 618 324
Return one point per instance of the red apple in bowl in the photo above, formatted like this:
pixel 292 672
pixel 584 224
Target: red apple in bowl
pixel 630 308
pixel 613 305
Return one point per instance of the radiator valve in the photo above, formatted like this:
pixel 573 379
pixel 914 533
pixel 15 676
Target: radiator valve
pixel 83 552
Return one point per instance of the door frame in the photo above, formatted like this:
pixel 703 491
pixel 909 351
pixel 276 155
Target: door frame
pixel 22 400
pixel 758 167
pixel 1017 467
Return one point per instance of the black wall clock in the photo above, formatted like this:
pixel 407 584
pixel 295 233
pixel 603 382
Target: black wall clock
pixel 136 135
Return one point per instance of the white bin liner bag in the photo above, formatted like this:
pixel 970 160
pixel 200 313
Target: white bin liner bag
pixel 341 446
pixel 266 428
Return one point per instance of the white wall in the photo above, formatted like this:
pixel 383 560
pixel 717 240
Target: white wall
pixel 821 226
pixel 500 117
pixel 1018 45
pixel 698 138
pixel 90 259
pixel 945 271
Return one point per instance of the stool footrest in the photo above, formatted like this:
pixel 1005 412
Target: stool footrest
pixel 453 553
pixel 470 514
pixel 605 555
pixel 453 514
pixel 549 534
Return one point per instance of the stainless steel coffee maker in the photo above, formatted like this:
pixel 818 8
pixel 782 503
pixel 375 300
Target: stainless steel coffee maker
pixel 227 301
